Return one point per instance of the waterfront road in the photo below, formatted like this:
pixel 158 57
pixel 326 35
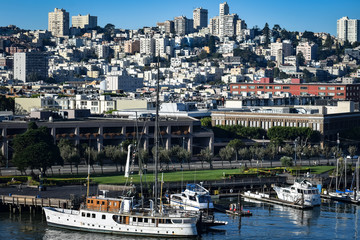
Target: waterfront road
pixel 62 170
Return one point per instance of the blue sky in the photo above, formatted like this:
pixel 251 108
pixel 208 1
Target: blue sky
pixel 314 15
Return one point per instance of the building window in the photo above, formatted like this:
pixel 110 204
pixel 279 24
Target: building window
pixel 103 216
pixel 268 87
pixel 260 87
pixel 303 87
pixel 340 94
pixel 243 87
pixel 331 94
pixel 251 87
pixel 235 92
pixel 322 94
pixel 286 87
pixel 322 88
pixel 235 87
pixel 339 88
pixel 331 88
pixel 277 87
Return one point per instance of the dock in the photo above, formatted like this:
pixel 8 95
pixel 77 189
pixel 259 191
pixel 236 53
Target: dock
pixel 339 199
pixel 272 200
pixel 20 202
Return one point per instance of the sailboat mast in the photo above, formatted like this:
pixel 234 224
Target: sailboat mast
pixel 156 137
pixel 357 176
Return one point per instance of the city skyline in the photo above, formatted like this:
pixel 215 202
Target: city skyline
pixel 320 16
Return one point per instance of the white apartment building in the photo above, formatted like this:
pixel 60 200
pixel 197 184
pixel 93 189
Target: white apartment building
pixel 84 22
pixel 308 50
pixel 285 46
pixel 223 11
pixel 229 25
pixel 102 51
pixel 147 46
pixel 214 25
pixel 348 29
pixel 30 64
pixel 183 25
pixel 123 81
pixel 58 22
pixel 200 17
pixel 240 25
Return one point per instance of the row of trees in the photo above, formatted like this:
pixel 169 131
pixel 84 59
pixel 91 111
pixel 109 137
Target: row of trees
pixel 235 150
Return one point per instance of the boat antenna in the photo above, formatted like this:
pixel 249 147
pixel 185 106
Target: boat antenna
pixel 156 136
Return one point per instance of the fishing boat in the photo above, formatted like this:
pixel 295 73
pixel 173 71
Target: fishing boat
pixel 194 198
pixel 118 216
pixel 300 193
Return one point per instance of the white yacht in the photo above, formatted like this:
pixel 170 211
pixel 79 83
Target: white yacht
pixel 301 193
pixel 194 198
pixel 116 216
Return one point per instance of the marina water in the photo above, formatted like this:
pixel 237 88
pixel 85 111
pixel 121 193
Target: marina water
pixel 329 221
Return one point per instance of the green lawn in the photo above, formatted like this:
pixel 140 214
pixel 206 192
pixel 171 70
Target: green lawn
pixel 178 176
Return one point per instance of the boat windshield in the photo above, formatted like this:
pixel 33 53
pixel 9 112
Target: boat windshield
pixel 204 199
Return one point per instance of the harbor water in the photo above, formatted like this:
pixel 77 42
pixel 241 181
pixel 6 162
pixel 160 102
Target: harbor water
pixel 329 221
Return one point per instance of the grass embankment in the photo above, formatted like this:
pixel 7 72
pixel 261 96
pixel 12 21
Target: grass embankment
pixel 177 176
pixel 196 176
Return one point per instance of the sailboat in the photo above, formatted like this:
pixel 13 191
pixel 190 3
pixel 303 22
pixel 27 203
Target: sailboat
pixel 118 216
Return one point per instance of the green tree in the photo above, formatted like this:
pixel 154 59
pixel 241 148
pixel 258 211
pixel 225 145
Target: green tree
pixel 206 122
pixel 211 44
pixel 206 155
pixel 286 161
pixel 35 149
pixel 68 153
pixel 99 157
pixel 244 154
pixel 300 59
pixel 226 154
pixel 288 150
pixel 272 151
pixel 352 152
pixel 7 104
pixel 326 151
pixel 236 144
pixel 266 32
pixel 307 153
pixel 328 42
pixel 114 154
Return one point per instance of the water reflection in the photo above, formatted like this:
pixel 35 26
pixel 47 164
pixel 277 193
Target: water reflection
pixel 300 217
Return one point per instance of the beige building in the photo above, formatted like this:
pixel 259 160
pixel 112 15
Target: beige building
pixel 132 46
pixel 84 22
pixel 59 22
pixel 327 120
pixel 309 50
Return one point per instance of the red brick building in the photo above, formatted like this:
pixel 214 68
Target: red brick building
pixel 339 91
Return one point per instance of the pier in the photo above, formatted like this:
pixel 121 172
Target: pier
pixel 339 199
pixel 19 202
pixel 275 201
